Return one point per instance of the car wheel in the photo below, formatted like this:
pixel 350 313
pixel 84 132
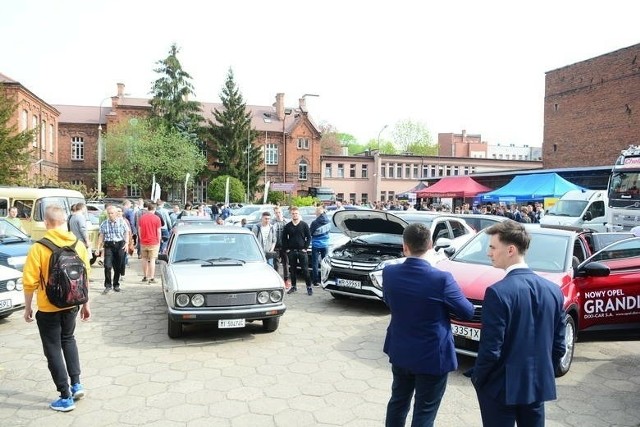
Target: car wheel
pixel 570 341
pixel 270 324
pixel 174 329
pixel 339 296
pixel 4 315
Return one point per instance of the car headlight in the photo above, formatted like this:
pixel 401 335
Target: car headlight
pixel 197 300
pixel 325 268
pixel 263 297
pixel 182 300
pixel 376 274
pixel 11 285
pixel 275 296
pixel 19 285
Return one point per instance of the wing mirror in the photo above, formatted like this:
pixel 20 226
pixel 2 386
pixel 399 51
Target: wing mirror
pixel 587 216
pixel 449 251
pixel 593 269
pixel 441 243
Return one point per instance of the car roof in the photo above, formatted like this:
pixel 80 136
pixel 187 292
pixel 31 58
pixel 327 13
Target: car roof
pixel 212 229
pixel 481 216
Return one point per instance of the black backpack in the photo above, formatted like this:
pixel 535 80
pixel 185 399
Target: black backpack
pixel 68 284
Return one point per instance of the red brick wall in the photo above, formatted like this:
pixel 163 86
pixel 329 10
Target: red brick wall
pixel 85 170
pixel 592 110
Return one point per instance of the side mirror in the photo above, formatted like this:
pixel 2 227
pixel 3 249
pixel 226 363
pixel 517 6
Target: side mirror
pixel 449 251
pixel 593 269
pixel 587 216
pixel 442 242
pixel 163 257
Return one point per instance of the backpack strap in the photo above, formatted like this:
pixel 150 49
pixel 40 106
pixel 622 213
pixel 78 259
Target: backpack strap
pixel 52 247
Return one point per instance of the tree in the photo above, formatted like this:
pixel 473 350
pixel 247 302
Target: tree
pixel 231 136
pixel 14 145
pixel 137 150
pixel 330 143
pixel 170 104
pixel 217 188
pixel 413 137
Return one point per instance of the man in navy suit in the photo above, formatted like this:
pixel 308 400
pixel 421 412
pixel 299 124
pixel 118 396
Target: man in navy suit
pixel 419 340
pixel 522 338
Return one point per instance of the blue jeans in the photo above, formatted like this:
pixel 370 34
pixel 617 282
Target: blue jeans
pixel 428 389
pixel 317 254
pixel 59 345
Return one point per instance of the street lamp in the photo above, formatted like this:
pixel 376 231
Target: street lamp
pixel 100 146
pixel 287 112
pixel 379 133
pixel 248 159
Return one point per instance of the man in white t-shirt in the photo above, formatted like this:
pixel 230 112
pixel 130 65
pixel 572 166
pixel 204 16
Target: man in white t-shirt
pixel 266 235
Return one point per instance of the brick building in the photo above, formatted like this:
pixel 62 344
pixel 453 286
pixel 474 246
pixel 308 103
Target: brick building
pixel 276 125
pixel 592 110
pixel 461 145
pixel 34 113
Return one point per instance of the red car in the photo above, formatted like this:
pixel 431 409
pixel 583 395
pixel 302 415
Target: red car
pixel 602 290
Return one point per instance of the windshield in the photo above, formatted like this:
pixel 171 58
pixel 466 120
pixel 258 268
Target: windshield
pixel 206 246
pixel 246 210
pixel 547 252
pixel 624 249
pixel 624 185
pixel 572 208
pixel 8 230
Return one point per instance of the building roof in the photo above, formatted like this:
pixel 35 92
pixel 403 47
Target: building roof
pixel 6 79
pixel 82 114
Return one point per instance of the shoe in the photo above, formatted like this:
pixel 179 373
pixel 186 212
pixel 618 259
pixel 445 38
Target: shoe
pixel 144 279
pixel 292 290
pixel 152 281
pixel 77 391
pixel 309 290
pixel 117 289
pixel 63 405
pixel 316 285
pixel 106 290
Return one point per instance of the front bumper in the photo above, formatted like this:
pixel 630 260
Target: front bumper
pixel 366 291
pixel 213 314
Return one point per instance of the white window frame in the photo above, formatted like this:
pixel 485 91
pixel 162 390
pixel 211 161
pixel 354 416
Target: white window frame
pixel 271 154
pixel 34 125
pixel 43 136
pixel 133 191
pixel 327 170
pixel 51 137
pixel 302 170
pixel 24 121
pixel 340 170
pixel 303 143
pixel 77 148
pixel 364 172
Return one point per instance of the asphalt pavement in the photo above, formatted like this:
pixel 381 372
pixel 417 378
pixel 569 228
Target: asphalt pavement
pixel 324 366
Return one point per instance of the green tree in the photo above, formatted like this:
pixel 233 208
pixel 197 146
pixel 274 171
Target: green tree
pixel 330 143
pixel 413 137
pixel 137 150
pixel 170 105
pixel 217 188
pixel 14 145
pixel 231 136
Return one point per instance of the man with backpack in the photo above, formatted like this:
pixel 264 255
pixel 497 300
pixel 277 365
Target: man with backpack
pixel 44 271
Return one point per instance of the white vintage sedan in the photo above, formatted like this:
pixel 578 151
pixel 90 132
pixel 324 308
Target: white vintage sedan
pixel 219 274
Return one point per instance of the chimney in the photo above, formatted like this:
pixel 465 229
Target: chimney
pixel 120 90
pixel 280 106
pixel 302 102
pixel 345 151
pixel 464 135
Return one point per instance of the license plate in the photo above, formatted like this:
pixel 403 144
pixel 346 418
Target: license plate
pixel 346 283
pixel 231 323
pixel 5 303
pixel 466 332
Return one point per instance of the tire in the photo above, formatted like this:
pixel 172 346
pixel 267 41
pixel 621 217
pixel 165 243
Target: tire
pixel 271 324
pixel 174 329
pixel 339 296
pixel 570 341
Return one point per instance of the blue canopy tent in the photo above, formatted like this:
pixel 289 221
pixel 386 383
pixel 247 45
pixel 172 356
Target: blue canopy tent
pixel 526 188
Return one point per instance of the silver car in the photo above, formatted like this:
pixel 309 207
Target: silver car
pixel 219 274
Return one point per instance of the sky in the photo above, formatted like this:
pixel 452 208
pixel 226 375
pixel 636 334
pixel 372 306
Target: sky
pixel 473 65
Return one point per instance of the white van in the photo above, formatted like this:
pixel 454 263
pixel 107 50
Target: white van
pixel 579 208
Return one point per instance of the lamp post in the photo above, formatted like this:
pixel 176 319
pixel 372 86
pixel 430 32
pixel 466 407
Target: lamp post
pixel 100 147
pixel 380 133
pixel 248 159
pixel 287 112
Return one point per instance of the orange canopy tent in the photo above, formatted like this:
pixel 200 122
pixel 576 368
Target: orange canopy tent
pixel 454 186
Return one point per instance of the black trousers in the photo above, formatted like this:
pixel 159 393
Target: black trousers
pixel 113 260
pixel 299 257
pixel 284 257
pixel 59 345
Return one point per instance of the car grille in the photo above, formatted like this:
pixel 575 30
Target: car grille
pixel 230 299
pixel 3 286
pixel 477 312
pixel 465 344
pixel 364 266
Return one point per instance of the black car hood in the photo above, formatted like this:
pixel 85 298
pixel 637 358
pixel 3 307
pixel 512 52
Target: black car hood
pixel 356 223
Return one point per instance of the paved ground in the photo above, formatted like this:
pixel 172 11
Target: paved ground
pixel 323 367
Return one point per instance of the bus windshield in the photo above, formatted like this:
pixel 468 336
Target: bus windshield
pixel 624 185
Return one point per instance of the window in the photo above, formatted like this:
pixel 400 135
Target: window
pixel 43 136
pixel 51 138
pixel 34 125
pixel 352 198
pixel 398 171
pixel 24 121
pixel 415 171
pixel 364 198
pixel 407 171
pixel 466 170
pixel 383 196
pixel 302 171
pixel 77 148
pixel 303 143
pixel 340 170
pixel 456 170
pixel 433 171
pixel 271 154
pixel 383 171
pixel 391 171
pixel 77 182
pixel 364 171
pixel 391 195
pixel 352 170
pixel 457 228
pixel 340 197
pixel 133 191
pixel 327 170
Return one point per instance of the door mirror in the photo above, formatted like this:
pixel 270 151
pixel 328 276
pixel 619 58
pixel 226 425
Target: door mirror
pixel 442 242
pixel 587 216
pixel 593 269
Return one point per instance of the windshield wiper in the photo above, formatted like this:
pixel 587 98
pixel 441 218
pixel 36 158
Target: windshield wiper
pixel 188 260
pixel 218 259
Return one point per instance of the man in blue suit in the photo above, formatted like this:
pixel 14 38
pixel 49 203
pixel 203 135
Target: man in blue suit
pixel 419 340
pixel 522 338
